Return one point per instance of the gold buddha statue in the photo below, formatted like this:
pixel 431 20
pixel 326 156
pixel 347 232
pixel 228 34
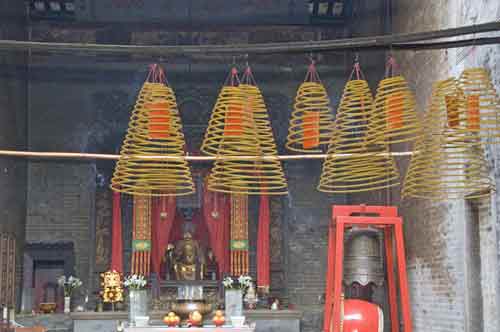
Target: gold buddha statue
pixel 189 260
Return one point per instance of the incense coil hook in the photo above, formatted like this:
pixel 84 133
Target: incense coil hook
pixel 449 163
pixel 395 118
pixel 154 130
pixel 354 164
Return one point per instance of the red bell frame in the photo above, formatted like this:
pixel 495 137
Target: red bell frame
pixel 387 219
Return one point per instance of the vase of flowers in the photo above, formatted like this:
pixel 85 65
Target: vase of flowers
pixel 138 297
pixel 69 285
pixel 233 293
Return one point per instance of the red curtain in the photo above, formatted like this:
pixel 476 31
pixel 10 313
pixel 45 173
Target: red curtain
pixel 263 260
pixel 116 233
pixel 329 279
pixel 216 212
pixel 162 219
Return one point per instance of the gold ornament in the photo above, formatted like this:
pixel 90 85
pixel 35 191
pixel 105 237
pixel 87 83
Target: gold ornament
pixel 311 122
pixel 154 134
pixel 112 287
pixel 395 118
pixel 482 104
pixel 353 164
pixel 449 163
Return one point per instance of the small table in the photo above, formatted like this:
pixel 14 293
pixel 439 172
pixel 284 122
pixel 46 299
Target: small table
pixel 189 329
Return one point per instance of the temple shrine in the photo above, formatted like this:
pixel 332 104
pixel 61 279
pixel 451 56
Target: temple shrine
pixel 249 166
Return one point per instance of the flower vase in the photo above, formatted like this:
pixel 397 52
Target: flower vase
pixel 138 303
pixel 67 304
pixel 234 303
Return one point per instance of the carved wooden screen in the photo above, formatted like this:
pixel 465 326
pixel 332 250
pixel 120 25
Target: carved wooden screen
pixel 7 269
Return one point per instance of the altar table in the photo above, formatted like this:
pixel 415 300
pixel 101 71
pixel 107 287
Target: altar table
pixel 265 321
pixel 189 329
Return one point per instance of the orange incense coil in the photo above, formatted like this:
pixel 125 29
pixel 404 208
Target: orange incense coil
pixel 483 108
pixel 154 130
pixel 395 118
pixel 311 122
pixel 352 163
pixel 449 163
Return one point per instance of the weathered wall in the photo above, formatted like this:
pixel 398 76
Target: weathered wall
pixel 13 126
pixel 453 283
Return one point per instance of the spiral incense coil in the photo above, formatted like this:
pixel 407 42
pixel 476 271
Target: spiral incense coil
pixel 483 107
pixel 255 101
pixel 449 163
pixel 230 103
pixel 250 177
pixel 311 122
pixel 395 118
pixel 154 130
pixel 353 164
pixel 239 126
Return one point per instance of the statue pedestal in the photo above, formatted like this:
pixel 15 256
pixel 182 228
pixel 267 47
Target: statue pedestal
pixel 168 292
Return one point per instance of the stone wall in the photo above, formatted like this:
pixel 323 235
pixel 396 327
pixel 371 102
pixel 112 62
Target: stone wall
pixel 13 108
pixel 453 283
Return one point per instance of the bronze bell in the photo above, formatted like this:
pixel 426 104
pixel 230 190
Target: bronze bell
pixel 363 262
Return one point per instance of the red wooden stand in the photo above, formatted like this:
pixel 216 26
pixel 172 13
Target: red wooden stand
pixel 386 218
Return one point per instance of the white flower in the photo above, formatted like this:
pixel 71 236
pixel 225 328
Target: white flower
pixel 135 282
pixel 228 282
pixel 245 281
pixel 61 281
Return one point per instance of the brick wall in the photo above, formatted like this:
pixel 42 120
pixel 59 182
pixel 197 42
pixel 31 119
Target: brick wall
pixel 13 128
pixel 454 283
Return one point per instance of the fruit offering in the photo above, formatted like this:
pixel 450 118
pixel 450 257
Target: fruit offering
pixel 172 319
pixel 219 318
pixel 195 318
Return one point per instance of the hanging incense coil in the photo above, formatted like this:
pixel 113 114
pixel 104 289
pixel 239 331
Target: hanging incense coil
pixel 353 164
pixel 154 131
pixel 311 123
pixel 239 127
pixel 395 117
pixel 229 105
pixel 449 163
pixel 255 101
pixel 482 103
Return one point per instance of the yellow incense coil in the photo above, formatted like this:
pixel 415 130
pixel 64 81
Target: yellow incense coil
pixel 254 99
pixel 239 129
pixel 448 163
pixel 154 130
pixel 230 103
pixel 352 163
pixel 311 122
pixel 482 103
pixel 395 117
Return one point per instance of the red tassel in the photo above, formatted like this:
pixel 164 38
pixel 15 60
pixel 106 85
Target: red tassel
pixel 263 259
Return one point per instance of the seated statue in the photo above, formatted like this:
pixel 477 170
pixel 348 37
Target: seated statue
pixel 189 259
